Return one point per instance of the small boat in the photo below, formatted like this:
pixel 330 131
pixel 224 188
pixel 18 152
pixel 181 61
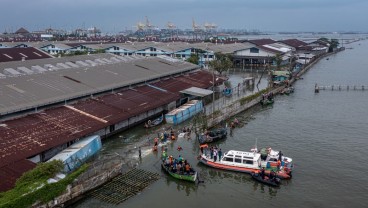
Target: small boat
pixel 287 91
pixel 291 89
pixel 267 101
pixel 246 162
pixel 227 92
pixel 192 176
pixel 155 122
pixel 212 136
pixel 266 180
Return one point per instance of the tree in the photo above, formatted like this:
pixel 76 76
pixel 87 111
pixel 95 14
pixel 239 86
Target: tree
pixel 222 62
pixel 334 43
pixel 194 59
pixel 278 60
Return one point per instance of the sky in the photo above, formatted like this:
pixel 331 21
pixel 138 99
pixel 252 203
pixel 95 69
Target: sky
pixel 113 16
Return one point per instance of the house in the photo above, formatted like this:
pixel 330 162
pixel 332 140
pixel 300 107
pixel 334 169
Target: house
pixel 280 76
pixel 256 55
pixel 55 48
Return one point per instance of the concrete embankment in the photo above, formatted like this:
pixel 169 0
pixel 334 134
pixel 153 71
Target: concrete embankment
pixel 98 173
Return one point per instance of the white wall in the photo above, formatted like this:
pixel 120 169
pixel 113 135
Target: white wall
pixel 262 53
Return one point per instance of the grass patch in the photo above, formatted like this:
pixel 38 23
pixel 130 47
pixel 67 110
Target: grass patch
pixel 249 98
pixel 33 186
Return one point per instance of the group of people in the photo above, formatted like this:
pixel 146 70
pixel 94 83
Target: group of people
pixel 272 176
pixel 163 137
pixel 176 165
pixel 215 153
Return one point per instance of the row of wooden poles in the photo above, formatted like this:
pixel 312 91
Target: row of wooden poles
pixel 340 87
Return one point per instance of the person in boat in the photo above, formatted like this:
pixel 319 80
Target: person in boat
pixel 187 168
pixel 215 155
pixel 278 165
pixel 180 159
pixel 179 148
pixel 272 175
pixel 262 173
pixel 139 152
pixel 232 125
pixel 167 162
pixel 211 152
pixel 171 160
pixel 219 154
pixel 178 167
pixel 280 155
pixel 156 141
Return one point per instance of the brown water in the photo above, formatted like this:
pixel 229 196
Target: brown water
pixel 325 134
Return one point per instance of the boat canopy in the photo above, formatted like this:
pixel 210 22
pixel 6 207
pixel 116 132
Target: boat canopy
pixel 244 155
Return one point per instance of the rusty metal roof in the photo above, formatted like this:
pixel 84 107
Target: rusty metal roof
pixel 11 172
pixel 30 135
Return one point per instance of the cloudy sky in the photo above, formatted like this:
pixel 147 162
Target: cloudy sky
pixel 118 15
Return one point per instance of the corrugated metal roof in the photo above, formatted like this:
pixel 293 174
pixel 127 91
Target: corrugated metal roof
pixel 12 171
pixel 17 54
pixel 199 92
pixel 70 82
pixel 30 135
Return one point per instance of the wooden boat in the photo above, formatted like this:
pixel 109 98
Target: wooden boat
pixel 266 180
pixel 246 162
pixel 155 122
pixel 227 92
pixel 192 176
pixel 213 136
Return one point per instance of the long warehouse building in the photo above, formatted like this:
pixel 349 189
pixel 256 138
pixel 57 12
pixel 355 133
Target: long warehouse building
pixel 118 92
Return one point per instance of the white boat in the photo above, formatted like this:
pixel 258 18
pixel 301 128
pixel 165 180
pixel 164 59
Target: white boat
pixel 240 161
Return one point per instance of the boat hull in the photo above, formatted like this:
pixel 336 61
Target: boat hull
pixel 155 122
pixel 213 136
pixel 205 161
pixel 185 177
pixel 267 181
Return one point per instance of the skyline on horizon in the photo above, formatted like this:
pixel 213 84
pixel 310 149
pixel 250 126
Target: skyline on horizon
pixel 113 16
